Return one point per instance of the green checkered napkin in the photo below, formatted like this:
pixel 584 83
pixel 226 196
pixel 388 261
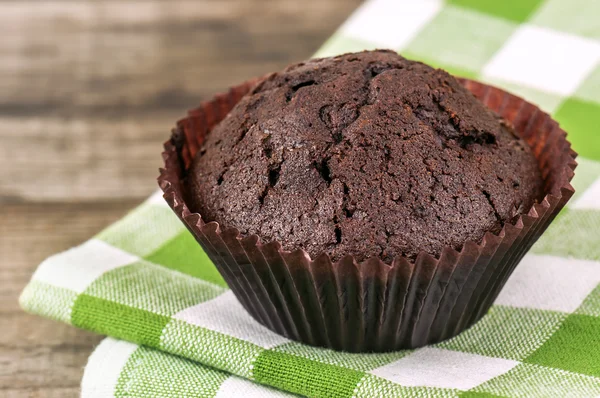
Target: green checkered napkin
pixel 144 280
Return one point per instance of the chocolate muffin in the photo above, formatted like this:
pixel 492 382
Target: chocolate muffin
pixel 358 159
pixel 365 154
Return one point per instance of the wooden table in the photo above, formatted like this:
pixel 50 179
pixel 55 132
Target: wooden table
pixel 88 92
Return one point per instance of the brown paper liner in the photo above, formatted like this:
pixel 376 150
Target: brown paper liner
pixel 372 306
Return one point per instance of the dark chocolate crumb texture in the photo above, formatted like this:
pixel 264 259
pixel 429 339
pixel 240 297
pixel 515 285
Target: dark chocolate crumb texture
pixel 365 154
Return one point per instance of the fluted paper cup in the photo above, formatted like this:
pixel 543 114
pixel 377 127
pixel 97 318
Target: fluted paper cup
pixel 370 305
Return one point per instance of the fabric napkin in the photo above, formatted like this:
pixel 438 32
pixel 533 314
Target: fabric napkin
pixel 145 281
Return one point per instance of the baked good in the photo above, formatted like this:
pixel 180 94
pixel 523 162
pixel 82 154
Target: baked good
pixel 366 202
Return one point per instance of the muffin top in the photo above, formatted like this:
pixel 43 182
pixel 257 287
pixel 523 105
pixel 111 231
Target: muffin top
pixel 365 154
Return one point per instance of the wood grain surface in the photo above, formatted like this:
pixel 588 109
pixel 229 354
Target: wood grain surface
pixel 88 92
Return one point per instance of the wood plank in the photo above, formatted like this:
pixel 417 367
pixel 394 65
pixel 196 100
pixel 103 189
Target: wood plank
pixel 31 232
pixel 81 158
pixel 39 357
pixel 50 356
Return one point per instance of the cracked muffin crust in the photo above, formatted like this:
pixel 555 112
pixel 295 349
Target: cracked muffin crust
pixel 365 154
